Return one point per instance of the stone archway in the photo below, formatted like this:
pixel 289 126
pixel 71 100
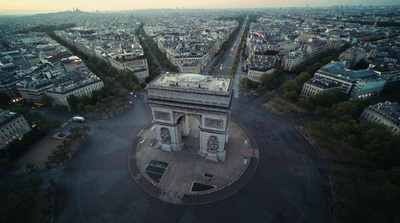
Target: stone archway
pixel 208 99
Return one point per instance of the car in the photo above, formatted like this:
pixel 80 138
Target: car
pixel 142 140
pixel 152 142
pixel 130 102
pixel 131 93
pixel 246 143
pixel 135 96
pixel 78 119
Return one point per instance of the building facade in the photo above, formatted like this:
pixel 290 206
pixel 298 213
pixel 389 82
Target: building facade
pixel 12 127
pixel 387 114
pixel 85 88
pixel 317 85
pixel 8 85
pixel 356 83
pixel 138 66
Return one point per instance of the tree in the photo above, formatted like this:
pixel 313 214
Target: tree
pixel 123 93
pixel 5 165
pixel 73 101
pixel 305 103
pixel 34 117
pixel 50 125
pixel 92 59
pixel 88 108
pixel 290 85
pixel 60 154
pixel 302 78
pixel 102 64
pixel 86 129
pixel 46 100
pixel 266 79
pixel 148 79
pixel 362 64
pixel 4 100
pixel 109 82
pixel 137 88
pixel 293 95
pixel 80 106
pixel 249 84
pixel 112 71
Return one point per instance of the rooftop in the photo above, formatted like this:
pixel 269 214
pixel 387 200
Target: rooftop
pixel 388 109
pixel 323 83
pixel 193 81
pixel 338 69
pixel 6 116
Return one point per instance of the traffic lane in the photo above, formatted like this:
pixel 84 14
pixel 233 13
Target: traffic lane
pixel 228 61
pixel 288 164
pixel 98 170
pixel 277 192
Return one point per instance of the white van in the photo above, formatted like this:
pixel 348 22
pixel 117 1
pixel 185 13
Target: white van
pixel 79 119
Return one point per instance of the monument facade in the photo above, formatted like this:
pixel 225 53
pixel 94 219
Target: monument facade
pixel 175 97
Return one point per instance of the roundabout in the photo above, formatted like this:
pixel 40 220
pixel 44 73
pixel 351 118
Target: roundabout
pixel 186 178
pixel 290 182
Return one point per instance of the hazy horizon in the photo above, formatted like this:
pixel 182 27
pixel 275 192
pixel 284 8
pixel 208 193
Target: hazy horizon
pixel 26 7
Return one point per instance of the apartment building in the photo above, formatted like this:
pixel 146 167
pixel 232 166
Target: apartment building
pixel 12 127
pixel 387 114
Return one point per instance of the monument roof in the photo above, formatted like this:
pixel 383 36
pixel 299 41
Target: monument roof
pixel 193 81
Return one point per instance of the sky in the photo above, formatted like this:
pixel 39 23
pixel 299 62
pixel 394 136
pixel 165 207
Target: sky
pixel 39 6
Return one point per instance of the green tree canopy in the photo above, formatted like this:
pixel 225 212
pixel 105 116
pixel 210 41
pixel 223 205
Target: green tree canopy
pixel 123 93
pixel 46 100
pixel 137 88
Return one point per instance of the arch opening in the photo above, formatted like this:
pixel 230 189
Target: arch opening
pixel 189 126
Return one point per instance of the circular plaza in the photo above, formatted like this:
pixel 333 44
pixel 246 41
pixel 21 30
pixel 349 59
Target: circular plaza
pixel 184 177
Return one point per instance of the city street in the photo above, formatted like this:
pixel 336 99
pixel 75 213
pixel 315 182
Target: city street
pixel 290 184
pixel 224 69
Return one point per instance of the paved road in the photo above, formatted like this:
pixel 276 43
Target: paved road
pixel 155 57
pixel 224 69
pixel 227 58
pixel 290 184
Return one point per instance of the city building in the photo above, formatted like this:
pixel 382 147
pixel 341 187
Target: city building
pixel 317 85
pixel 12 127
pixel 390 74
pixel 86 87
pixel 189 67
pixel 138 66
pixel 387 114
pixel 352 56
pixel 32 89
pixel 260 63
pixel 8 84
pixel 293 59
pixel 356 83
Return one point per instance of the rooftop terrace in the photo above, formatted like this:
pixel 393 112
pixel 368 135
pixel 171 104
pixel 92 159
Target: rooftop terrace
pixel 193 81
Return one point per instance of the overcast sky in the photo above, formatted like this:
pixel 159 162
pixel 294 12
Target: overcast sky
pixel 8 6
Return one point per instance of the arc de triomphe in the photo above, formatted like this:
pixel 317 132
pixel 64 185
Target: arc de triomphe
pixel 175 97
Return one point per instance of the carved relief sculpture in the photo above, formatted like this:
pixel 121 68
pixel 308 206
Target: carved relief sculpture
pixel 165 135
pixel 162 115
pixel 213 123
pixel 212 143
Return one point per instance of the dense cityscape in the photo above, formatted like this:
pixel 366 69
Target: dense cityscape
pixel 286 114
